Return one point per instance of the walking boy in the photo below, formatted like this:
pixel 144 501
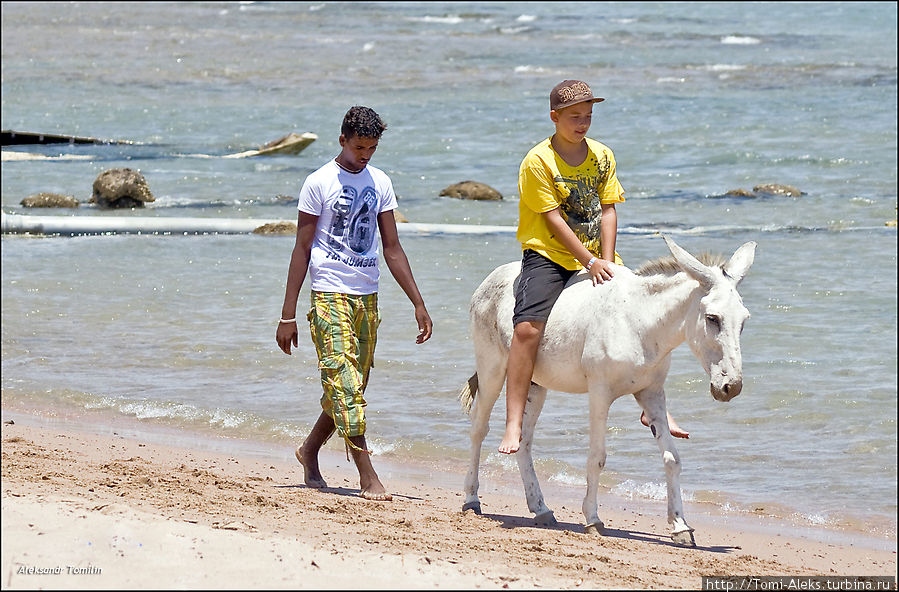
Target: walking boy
pixel 567 221
pixel 341 206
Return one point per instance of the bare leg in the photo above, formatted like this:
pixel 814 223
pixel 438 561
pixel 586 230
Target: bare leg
pixel 307 453
pixel 675 429
pixel 522 353
pixel 369 483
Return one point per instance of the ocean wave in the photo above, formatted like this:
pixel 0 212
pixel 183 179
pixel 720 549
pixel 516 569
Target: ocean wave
pixel 566 478
pixel 228 422
pixel 254 7
pixel 740 40
pixel 112 227
pixel 15 156
pixel 103 154
pixel 529 69
pixel 654 491
pixel 378 446
pixel 683 229
pixel 578 37
pixel 180 203
pixel 515 30
pixel 667 79
pixel 720 67
pixel 813 518
pixel 449 19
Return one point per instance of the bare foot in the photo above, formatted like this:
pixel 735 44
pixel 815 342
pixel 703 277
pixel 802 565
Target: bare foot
pixel 311 474
pixel 510 442
pixel 375 492
pixel 675 429
pixel 376 497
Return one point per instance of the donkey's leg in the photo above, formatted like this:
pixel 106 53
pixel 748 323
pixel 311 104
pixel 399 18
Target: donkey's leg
pixel 596 458
pixel 543 516
pixel 653 403
pixel 490 383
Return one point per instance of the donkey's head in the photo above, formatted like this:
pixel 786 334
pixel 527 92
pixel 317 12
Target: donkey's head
pixel 714 325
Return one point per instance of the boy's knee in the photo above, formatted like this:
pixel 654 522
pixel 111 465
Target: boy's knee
pixel 528 330
pixel 340 366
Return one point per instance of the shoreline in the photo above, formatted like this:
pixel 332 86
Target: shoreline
pixel 449 473
pixel 129 506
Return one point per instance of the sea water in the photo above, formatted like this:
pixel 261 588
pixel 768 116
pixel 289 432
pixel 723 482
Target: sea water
pixel 177 332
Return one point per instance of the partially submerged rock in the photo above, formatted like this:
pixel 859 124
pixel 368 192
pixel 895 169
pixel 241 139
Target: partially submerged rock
pixel 740 193
pixel 50 200
pixel 277 228
pixel 472 190
pixel 121 188
pixel 775 189
pixel 766 190
pixel 292 143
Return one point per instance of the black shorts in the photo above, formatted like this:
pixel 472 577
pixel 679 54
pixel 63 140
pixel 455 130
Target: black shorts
pixel 539 286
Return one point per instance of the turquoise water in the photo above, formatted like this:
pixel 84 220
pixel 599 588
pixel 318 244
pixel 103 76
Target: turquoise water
pixel 178 331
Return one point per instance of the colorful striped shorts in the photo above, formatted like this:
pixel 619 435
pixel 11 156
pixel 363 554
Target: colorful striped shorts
pixel 344 330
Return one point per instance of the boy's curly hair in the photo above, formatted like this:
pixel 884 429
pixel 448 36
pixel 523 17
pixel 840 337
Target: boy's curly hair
pixel 362 122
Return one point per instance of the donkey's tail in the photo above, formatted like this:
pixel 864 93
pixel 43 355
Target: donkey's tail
pixel 468 393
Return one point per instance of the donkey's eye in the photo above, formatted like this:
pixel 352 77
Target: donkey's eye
pixel 713 320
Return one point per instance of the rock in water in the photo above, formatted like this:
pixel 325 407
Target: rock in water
pixel 50 200
pixel 121 188
pixel 472 190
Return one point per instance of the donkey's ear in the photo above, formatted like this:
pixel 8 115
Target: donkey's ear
pixel 690 264
pixel 740 262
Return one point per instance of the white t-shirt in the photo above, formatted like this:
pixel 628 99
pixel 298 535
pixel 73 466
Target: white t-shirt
pixel 344 254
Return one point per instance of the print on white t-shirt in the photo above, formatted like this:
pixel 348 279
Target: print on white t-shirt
pixel 344 254
pixel 354 222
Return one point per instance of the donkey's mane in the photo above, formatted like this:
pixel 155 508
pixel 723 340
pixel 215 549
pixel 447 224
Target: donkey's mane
pixel 668 265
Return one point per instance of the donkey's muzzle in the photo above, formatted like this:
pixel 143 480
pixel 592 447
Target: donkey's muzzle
pixel 727 391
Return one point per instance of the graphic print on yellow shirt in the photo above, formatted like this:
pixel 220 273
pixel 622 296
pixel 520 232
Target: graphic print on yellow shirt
pixel 546 182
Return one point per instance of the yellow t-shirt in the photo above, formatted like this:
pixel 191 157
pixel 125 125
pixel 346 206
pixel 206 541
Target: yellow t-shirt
pixel 546 182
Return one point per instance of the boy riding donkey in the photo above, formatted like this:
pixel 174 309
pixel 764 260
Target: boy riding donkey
pixel 567 221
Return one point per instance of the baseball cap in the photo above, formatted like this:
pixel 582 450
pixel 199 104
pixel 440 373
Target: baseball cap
pixel 571 92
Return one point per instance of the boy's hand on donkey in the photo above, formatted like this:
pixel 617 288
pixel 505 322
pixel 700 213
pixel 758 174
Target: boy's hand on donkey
pixel 600 271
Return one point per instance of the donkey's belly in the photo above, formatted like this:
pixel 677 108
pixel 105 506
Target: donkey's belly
pixel 562 375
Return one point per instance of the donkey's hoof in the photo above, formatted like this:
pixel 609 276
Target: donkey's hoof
pixel 595 529
pixel 684 538
pixel 546 519
pixel 473 506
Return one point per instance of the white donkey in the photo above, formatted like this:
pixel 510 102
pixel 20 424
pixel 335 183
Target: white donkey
pixel 610 340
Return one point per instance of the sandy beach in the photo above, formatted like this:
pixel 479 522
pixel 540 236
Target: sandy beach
pixel 87 511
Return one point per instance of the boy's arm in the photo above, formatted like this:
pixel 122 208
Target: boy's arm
pixel 296 274
pixel 398 264
pixel 601 269
pixel 608 231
